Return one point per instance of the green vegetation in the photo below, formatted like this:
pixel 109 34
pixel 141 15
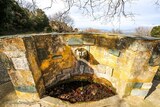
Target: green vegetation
pixel 155 32
pixel 18 19
pixel 15 19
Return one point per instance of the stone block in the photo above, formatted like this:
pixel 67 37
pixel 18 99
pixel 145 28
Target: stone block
pixel 124 75
pixel 101 68
pixel 62 77
pixel 128 88
pixel 40 87
pixel 145 46
pixel 28 89
pixel 15 54
pixel 124 43
pixel 75 41
pixel 4 77
pixel 88 41
pixel 116 74
pixel 50 81
pixel 139 92
pixel 109 71
pixel 134 46
pixel 22 78
pixel 137 85
pixel 74 72
pixel 146 85
pixel 67 70
pixel 27 97
pixel 81 69
pixel 145 76
pixel 20 63
pixel 13 44
pixel 88 70
pixel 42 53
pixel 114 52
pixel 6 63
pixel 110 59
pixel 107 42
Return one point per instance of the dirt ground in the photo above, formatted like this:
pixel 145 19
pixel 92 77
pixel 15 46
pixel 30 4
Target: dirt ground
pixel 80 91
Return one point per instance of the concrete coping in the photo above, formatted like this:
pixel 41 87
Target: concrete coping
pixel 78 33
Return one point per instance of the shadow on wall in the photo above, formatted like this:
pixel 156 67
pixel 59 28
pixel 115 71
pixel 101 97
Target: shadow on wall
pixel 153 88
pixel 155 61
pixel 4 66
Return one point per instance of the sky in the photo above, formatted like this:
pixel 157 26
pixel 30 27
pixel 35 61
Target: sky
pixel 146 14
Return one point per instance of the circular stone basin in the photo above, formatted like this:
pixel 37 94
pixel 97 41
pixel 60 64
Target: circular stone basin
pixel 80 91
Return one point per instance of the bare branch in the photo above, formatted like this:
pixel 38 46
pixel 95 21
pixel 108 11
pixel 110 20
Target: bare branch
pixel 61 17
pixel 98 9
pixel 142 31
pixel 157 2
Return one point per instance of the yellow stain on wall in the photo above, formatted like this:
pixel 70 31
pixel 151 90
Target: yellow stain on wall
pixel 66 60
pixel 27 96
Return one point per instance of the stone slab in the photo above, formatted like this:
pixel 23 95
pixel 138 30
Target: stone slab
pixel 146 85
pixel 139 92
pixel 114 52
pixel 137 85
pixel 28 89
pixel 20 63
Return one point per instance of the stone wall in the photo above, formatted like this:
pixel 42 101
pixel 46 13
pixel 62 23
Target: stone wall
pixel 37 61
pixel 20 70
pixel 130 63
pixel 4 66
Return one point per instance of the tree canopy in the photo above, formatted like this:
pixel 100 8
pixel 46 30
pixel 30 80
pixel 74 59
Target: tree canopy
pixel 155 32
pixel 16 19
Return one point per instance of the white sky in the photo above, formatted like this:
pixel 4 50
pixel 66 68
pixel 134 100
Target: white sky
pixel 146 14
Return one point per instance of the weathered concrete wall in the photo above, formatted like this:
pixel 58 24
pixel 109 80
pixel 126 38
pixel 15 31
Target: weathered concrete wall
pixel 39 61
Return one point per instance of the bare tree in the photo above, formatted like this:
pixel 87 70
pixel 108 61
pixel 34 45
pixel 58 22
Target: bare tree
pixel 157 2
pixel 98 9
pixel 61 17
pixel 116 31
pixel 142 31
pixel 93 30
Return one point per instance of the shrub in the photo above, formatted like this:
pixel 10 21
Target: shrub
pixel 155 32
